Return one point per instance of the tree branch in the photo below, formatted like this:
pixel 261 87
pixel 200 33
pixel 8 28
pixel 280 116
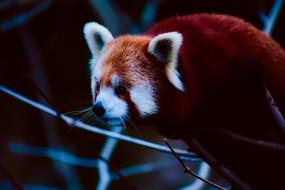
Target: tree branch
pixel 270 20
pixel 79 124
pixel 187 169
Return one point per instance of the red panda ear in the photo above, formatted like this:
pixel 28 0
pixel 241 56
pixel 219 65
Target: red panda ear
pixel 96 36
pixel 165 47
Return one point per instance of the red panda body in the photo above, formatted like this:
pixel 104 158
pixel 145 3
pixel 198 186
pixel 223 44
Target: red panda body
pixel 225 64
pixel 217 50
pixel 217 71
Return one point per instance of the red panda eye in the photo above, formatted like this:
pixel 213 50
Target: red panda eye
pixel 120 90
pixel 97 89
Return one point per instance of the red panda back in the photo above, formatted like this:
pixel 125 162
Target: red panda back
pixel 215 47
pixel 225 63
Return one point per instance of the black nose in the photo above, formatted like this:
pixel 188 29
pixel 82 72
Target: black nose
pixel 98 109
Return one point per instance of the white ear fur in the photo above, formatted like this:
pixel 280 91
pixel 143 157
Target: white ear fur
pixel 165 47
pixel 96 36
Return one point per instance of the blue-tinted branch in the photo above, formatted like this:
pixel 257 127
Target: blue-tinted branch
pixel 204 172
pixel 143 168
pixel 149 13
pixel 270 20
pixel 25 17
pixel 54 154
pixel 8 186
pixel 106 153
pixel 269 24
pixel 73 160
pixel 79 124
pixel 147 16
pixel 118 22
pixel 40 187
pixel 111 16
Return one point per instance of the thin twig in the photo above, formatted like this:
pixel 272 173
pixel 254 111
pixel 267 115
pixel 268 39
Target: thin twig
pixel 187 169
pixel 210 159
pixel 275 110
pixel 204 172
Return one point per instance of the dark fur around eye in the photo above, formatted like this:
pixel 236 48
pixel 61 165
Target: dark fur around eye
pixel 121 90
pixel 97 89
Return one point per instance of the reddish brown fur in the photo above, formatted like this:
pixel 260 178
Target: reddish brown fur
pixel 224 63
pixel 218 45
pixel 133 67
pixel 129 60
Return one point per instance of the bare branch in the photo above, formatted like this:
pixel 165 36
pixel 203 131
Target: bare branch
pixel 187 169
pixel 204 172
pixel 24 18
pixel 270 20
pixel 103 167
pixel 54 154
pixel 193 143
pixel 79 124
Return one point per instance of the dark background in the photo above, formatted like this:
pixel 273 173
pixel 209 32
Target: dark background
pixel 43 40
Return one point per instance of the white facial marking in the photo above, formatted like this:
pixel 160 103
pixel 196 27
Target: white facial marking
pixel 97 69
pixel 93 86
pixel 175 40
pixel 115 80
pixel 114 106
pixel 143 97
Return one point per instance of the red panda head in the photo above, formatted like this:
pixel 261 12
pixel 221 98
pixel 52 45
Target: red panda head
pixel 128 72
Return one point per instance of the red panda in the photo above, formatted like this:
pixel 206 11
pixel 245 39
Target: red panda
pixel 192 74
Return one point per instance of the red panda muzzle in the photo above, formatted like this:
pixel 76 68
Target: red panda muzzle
pixel 98 110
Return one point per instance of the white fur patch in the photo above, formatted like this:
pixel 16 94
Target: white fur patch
pixel 115 80
pixel 143 97
pixel 96 69
pixel 175 40
pixel 93 86
pixel 114 106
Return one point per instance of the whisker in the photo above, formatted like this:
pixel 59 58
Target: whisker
pixel 78 112
pixel 86 116
pixel 132 123
pixel 124 125
pixel 123 121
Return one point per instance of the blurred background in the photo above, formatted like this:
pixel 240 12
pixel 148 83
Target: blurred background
pixel 41 42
